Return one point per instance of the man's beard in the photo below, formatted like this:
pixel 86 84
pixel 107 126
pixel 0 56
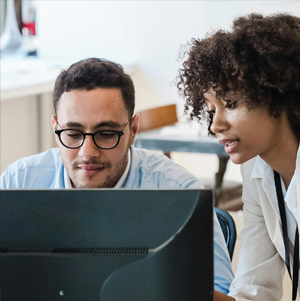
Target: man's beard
pixel 110 181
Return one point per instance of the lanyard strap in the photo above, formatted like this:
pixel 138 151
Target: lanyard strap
pixel 286 238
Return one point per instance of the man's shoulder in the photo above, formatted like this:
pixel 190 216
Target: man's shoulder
pixel 33 169
pixel 152 161
pixel 49 158
pixel 158 170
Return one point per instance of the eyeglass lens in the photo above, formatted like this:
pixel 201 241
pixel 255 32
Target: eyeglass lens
pixel 103 139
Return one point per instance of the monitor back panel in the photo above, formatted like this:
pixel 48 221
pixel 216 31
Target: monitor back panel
pixel 106 245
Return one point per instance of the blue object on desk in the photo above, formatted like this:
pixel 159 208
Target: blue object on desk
pixel 228 228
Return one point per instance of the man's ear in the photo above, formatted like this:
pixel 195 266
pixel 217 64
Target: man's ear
pixel 54 126
pixel 54 122
pixel 134 128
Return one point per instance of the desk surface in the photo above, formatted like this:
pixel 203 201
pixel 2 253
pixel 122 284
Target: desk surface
pixel 180 138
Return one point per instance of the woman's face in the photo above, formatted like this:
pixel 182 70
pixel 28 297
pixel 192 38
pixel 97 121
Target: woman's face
pixel 245 133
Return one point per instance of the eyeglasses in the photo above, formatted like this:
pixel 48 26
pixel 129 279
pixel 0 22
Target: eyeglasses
pixel 104 139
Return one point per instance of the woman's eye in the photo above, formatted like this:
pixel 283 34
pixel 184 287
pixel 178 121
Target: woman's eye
pixel 231 105
pixel 211 112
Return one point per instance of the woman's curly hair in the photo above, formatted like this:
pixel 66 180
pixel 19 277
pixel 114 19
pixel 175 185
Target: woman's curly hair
pixel 260 58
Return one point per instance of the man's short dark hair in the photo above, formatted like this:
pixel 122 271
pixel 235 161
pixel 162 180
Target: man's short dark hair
pixel 95 73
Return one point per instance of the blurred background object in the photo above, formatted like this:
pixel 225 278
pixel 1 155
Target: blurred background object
pixel 29 46
pixel 18 27
pixel 2 15
pixel 11 37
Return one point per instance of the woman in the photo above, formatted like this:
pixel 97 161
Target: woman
pixel 246 84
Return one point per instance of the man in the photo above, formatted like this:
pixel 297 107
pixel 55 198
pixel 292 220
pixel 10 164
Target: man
pixel 95 129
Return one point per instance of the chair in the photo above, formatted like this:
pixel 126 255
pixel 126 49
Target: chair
pixel 228 228
pixel 155 118
pixel 229 197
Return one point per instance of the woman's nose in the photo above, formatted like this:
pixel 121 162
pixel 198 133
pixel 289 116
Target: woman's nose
pixel 219 122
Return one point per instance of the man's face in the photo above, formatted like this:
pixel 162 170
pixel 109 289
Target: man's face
pixel 92 111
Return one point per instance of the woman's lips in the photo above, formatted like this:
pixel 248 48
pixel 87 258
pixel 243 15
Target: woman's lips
pixel 229 144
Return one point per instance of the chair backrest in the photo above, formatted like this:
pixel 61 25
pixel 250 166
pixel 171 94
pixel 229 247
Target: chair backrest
pixel 228 228
pixel 157 117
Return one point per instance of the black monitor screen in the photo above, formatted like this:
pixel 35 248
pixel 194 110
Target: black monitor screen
pixel 106 244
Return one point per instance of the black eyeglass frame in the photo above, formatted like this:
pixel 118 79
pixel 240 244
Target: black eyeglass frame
pixel 119 133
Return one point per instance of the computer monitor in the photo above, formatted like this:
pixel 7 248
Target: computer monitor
pixel 106 244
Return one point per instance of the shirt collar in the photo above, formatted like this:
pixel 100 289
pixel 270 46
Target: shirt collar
pixel 260 169
pixel 122 180
pixel 67 180
pixel 119 184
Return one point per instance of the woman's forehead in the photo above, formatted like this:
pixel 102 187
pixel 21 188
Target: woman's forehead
pixel 221 95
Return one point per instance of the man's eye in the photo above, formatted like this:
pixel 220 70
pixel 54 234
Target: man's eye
pixel 75 135
pixel 231 105
pixel 106 135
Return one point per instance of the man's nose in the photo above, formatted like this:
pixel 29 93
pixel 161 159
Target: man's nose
pixel 89 149
pixel 219 122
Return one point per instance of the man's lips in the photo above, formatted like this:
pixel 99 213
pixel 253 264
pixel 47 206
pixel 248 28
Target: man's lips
pixel 229 144
pixel 90 169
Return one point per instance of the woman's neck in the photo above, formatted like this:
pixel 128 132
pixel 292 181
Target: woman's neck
pixel 282 158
